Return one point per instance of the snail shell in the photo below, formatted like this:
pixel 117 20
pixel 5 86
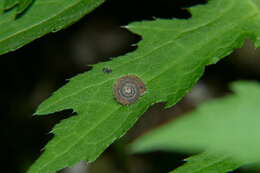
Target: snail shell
pixel 128 89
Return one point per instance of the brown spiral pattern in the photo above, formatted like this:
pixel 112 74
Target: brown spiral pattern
pixel 128 89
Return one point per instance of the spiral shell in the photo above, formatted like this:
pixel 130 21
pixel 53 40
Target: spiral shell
pixel 128 89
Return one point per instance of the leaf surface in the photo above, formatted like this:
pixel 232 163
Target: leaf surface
pixel 169 60
pixel 208 162
pixel 21 5
pixel 44 16
pixel 228 125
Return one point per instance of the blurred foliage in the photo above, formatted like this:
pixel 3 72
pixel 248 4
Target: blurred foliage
pixel 43 16
pixel 228 125
pixel 208 162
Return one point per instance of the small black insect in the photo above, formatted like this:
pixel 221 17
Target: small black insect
pixel 107 70
pixel 128 89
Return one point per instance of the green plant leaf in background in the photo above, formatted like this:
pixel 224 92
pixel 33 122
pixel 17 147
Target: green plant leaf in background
pixel 208 162
pixel 169 60
pixel 44 16
pixel 228 125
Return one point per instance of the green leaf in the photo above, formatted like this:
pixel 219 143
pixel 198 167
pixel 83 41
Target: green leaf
pixel 227 125
pixel 10 4
pixel 44 16
pixel 208 162
pixel 21 5
pixel 169 60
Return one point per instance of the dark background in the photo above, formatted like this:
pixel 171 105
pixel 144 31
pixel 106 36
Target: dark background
pixel 30 74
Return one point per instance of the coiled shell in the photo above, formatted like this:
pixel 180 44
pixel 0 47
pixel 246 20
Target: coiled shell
pixel 128 89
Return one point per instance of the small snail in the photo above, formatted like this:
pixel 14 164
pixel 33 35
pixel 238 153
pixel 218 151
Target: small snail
pixel 128 89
